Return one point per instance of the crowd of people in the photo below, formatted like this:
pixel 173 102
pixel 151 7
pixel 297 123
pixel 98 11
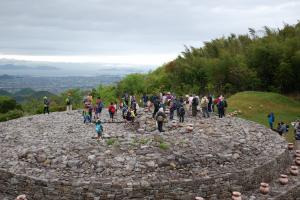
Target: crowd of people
pixel 164 107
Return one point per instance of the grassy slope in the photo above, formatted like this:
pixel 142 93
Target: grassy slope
pixel 256 106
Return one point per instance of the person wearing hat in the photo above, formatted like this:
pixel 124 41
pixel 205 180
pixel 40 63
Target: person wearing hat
pixel 160 118
pixel 46 105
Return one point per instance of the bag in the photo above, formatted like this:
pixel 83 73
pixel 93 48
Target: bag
pixel 160 118
pixel 181 111
pixel 195 102
pixel 112 109
pixel 68 101
pixel 99 128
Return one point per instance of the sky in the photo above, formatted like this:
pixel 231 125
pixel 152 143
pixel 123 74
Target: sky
pixel 128 31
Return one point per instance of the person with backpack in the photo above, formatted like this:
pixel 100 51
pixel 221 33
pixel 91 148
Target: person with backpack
pixel 160 118
pixel 156 107
pixel 69 103
pixel 204 107
pixel 195 103
pixel 181 114
pixel 99 129
pixel 46 105
pixel 111 110
pixel 271 119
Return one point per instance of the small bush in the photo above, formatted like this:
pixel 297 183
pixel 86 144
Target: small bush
pixel 7 104
pixel 110 142
pixel 163 146
pixel 12 114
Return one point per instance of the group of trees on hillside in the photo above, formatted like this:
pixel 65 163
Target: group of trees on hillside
pixel 255 61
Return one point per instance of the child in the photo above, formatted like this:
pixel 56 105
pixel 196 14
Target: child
pixel 99 129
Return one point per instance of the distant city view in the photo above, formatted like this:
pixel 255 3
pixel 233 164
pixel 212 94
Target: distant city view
pixel 58 77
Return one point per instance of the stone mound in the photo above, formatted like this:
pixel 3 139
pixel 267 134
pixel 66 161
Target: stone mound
pixel 51 156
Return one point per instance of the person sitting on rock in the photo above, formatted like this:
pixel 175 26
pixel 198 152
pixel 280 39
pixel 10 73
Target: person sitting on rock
pixel 160 118
pixel 282 128
pixel 130 115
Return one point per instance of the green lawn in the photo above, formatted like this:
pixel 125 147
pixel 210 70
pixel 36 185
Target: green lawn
pixel 256 106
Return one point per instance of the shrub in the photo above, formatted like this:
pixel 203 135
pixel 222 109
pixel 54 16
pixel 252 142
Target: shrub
pixel 12 114
pixel 7 104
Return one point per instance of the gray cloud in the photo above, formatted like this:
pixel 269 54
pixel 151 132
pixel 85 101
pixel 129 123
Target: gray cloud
pixel 121 27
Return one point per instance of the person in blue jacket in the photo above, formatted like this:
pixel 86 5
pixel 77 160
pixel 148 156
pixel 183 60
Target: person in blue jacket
pixel 271 119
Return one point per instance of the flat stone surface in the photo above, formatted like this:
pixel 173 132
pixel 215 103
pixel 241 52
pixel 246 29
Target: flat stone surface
pixel 60 147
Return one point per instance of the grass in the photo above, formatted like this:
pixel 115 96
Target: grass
pixel 163 146
pixel 255 106
pixel 111 141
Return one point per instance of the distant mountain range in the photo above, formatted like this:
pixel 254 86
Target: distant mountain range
pixel 24 67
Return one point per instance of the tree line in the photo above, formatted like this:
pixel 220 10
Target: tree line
pixel 267 60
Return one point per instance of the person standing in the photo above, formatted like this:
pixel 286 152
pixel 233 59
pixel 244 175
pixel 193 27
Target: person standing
pixel 210 104
pixel 160 118
pixel 69 103
pixel 222 104
pixel 99 107
pixel 181 114
pixel 172 109
pixel 145 99
pixel 46 105
pixel 271 119
pixel 195 103
pixel 204 107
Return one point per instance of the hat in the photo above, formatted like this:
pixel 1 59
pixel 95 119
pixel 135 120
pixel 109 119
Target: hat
pixel 161 110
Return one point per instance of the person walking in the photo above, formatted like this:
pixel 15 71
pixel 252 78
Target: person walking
pixel 160 118
pixel 46 105
pixel 111 110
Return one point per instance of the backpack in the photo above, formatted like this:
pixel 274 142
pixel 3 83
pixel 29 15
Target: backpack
pixel 181 111
pixel 68 101
pixel 195 102
pixel 112 109
pixel 99 128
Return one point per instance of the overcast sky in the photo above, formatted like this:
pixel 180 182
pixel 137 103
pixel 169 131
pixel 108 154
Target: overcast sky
pixel 128 31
